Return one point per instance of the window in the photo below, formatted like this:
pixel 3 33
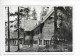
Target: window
pixel 35 42
pixel 37 32
pixel 20 41
pixel 15 42
pixel 44 42
pixel 40 42
pixel 49 42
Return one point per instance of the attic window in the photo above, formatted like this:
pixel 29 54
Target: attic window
pixel 40 42
pixel 35 41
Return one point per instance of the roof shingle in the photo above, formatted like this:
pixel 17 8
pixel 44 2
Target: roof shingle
pixel 28 25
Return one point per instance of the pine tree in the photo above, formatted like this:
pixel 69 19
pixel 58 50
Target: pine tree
pixel 42 14
pixel 34 14
pixel 27 11
pixel 66 23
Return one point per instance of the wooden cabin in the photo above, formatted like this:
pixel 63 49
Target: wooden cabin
pixel 39 33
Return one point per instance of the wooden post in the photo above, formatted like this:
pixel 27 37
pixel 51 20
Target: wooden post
pixel 18 29
pixel 24 33
pixel 31 39
pixel 8 33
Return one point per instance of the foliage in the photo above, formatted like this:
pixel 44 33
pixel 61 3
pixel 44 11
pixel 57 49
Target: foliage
pixel 43 12
pixel 34 14
pixel 65 30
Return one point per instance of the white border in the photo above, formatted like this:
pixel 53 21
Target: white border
pixel 76 16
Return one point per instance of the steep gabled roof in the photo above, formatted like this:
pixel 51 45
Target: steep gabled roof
pixel 29 25
pixel 45 17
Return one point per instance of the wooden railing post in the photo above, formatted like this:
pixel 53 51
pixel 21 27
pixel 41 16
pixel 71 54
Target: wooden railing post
pixel 8 33
pixel 18 29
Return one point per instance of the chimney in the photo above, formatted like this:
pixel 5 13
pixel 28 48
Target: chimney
pixel 47 9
